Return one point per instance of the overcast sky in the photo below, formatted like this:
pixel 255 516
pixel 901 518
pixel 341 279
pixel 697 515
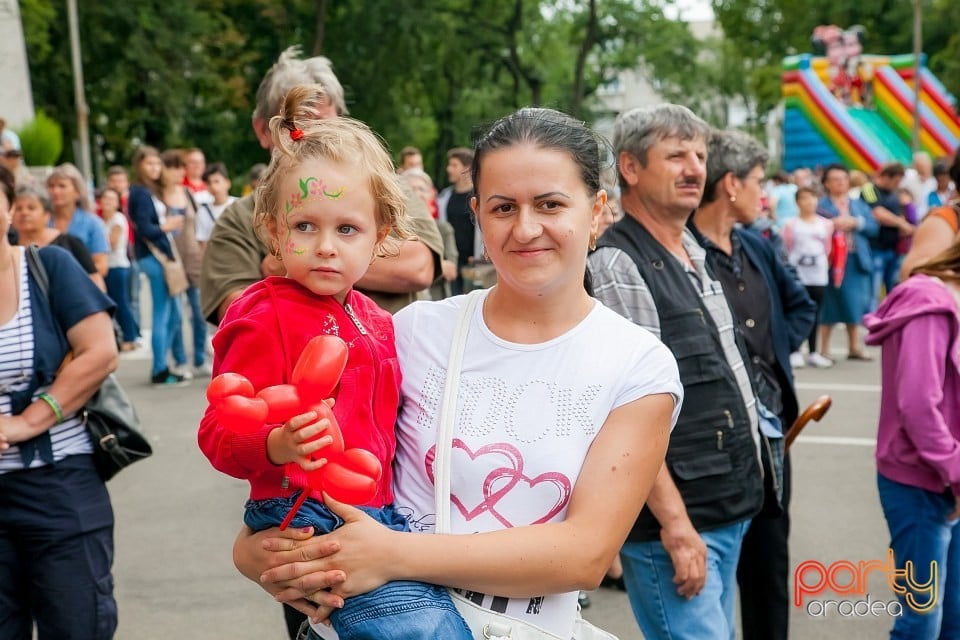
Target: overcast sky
pixel 691 10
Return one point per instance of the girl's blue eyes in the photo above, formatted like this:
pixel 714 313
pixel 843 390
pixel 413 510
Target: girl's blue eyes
pixel 346 229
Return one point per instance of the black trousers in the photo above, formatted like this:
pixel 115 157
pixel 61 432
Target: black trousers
pixel 816 294
pixel 294 619
pixel 56 553
pixel 763 573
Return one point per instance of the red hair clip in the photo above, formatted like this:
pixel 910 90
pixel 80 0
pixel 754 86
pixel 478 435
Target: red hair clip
pixel 296 134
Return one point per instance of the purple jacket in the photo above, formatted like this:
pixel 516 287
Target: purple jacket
pixel 918 438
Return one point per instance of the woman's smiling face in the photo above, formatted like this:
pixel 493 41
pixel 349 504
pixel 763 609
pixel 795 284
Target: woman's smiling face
pixel 536 215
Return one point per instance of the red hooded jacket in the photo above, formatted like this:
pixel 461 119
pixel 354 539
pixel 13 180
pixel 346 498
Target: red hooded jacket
pixel 261 337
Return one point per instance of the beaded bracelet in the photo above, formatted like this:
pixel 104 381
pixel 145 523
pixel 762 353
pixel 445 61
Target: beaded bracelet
pixel 54 405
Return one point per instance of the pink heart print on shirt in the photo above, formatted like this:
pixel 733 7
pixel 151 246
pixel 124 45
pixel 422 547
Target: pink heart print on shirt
pixel 507 494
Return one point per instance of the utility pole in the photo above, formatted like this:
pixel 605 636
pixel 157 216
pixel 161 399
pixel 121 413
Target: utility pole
pixel 80 100
pixel 917 54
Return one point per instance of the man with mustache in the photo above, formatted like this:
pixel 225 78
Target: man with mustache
pixel 680 559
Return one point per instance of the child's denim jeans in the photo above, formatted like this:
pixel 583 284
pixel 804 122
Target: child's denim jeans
pixel 401 610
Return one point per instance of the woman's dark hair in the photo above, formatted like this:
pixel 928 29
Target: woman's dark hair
pixel 8 184
pixel 173 159
pixel 836 166
pixel 141 154
pixel 548 129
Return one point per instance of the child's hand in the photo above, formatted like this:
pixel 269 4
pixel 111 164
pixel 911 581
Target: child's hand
pixel 298 441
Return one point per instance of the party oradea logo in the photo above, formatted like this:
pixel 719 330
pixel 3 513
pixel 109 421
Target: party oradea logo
pixel 840 588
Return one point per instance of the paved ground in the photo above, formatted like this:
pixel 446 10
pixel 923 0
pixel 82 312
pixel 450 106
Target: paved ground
pixel 176 519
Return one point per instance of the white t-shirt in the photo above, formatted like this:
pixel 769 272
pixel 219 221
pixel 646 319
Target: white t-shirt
pixel 527 414
pixel 118 257
pixel 207 215
pixel 920 188
pixel 808 244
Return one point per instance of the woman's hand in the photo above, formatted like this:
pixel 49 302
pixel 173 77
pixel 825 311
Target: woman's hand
pixel 449 269
pixel 845 223
pixel 255 553
pixel 14 430
pixel 172 223
pixel 956 512
pixel 359 551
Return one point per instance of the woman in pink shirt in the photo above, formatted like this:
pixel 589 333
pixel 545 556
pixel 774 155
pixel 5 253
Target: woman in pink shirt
pixel 918 439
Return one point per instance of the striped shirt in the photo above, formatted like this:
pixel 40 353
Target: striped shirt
pixel 16 368
pixel 617 283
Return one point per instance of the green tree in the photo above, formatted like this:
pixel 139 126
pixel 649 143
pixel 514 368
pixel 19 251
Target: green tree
pixel 424 72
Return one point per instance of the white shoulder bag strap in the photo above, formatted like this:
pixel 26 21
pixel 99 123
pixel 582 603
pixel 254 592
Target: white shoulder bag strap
pixel 486 623
pixel 448 409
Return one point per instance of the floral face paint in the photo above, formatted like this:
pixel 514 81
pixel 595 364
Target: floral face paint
pixel 294 249
pixel 327 225
pixel 312 187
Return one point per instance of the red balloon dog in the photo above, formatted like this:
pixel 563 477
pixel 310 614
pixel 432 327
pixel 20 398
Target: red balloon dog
pixel 350 475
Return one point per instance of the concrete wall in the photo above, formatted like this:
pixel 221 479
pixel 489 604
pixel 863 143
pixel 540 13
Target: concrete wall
pixel 16 98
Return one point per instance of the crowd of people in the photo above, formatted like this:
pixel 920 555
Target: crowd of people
pixel 638 349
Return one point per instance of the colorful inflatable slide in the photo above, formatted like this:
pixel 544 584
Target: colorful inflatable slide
pixel 820 128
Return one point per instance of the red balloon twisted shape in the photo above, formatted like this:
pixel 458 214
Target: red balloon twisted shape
pixel 350 475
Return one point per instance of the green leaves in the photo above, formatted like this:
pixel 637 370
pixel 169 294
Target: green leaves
pixel 424 72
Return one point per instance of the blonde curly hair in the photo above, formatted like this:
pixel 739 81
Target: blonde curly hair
pixel 300 135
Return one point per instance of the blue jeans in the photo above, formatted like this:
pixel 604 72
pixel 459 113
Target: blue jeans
pixel 198 326
pixel 921 533
pixel 118 288
pixel 166 313
pixel 135 290
pixel 886 271
pixel 661 612
pixel 398 610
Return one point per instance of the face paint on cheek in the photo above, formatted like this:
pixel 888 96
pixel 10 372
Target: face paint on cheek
pixel 294 249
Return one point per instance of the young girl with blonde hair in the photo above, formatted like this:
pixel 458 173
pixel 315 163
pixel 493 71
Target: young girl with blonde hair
pixel 324 208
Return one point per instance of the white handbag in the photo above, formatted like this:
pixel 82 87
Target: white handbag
pixel 484 623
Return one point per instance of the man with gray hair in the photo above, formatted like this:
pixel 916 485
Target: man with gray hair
pixel 680 558
pixel 235 257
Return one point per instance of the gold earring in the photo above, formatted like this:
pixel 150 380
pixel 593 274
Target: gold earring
pixel 593 241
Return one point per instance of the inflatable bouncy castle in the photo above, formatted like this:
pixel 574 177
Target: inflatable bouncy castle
pixel 857 109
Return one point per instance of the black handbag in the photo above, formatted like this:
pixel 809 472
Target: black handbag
pixel 114 429
pixel 109 415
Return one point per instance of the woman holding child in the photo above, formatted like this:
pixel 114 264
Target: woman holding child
pixel 553 452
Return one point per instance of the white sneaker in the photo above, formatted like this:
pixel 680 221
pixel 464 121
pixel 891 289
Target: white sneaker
pixel 819 361
pixel 183 371
pixel 203 371
pixel 796 360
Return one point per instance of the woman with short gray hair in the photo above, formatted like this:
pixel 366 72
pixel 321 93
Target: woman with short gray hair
pixel 774 315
